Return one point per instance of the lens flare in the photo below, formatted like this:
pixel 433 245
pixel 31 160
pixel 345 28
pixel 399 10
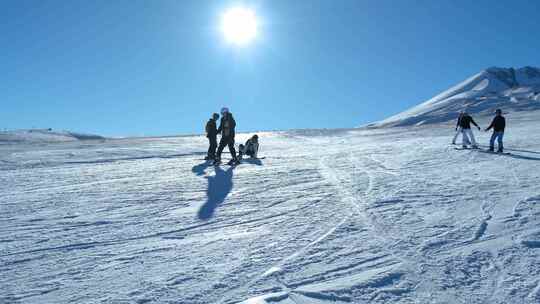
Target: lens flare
pixel 239 25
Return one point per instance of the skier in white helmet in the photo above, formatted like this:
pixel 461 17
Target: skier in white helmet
pixel 226 129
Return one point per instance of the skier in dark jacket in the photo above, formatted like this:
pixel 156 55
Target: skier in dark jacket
pixel 226 128
pixel 468 136
pixel 498 125
pixel 211 134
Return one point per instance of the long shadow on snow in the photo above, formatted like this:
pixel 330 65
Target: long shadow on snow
pixel 219 186
pixel 518 150
pixel 516 156
pixel 523 157
pixel 514 150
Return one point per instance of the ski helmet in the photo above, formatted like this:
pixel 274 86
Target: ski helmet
pixel 215 116
pixel 498 111
pixel 224 110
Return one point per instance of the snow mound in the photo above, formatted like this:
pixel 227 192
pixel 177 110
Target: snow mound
pixel 505 88
pixel 44 136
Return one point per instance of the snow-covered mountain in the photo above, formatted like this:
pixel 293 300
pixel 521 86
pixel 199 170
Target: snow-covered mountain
pixel 44 136
pixel 506 88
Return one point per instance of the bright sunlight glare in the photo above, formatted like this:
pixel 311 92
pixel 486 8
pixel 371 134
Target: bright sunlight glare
pixel 239 25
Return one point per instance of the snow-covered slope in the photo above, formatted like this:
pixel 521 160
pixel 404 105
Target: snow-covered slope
pixel 508 89
pixel 44 136
pixel 363 216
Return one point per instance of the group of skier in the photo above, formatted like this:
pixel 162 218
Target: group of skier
pixel 463 127
pixel 226 128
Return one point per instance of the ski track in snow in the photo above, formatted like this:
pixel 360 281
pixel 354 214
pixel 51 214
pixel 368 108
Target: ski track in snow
pixel 330 216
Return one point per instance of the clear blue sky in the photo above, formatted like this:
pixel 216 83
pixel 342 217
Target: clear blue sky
pixel 133 67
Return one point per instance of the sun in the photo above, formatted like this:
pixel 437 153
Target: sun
pixel 239 25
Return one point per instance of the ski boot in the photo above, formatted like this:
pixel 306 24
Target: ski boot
pixel 217 162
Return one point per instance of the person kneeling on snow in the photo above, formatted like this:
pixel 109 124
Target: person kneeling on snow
pixel 498 124
pixel 468 136
pixel 251 147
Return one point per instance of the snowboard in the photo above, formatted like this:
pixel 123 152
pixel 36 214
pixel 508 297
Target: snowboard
pixel 254 158
pixel 210 161
pixel 229 163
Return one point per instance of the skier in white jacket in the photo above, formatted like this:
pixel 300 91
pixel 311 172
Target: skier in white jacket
pixel 251 147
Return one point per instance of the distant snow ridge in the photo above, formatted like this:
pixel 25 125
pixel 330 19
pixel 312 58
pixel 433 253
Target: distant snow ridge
pixel 506 88
pixel 44 135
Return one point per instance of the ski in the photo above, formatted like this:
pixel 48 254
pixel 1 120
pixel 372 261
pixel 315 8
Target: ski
pixel 461 149
pixel 255 158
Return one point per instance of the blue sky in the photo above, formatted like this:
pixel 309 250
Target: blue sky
pixel 133 67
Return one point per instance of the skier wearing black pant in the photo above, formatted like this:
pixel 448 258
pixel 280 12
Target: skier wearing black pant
pixel 226 128
pixel 458 128
pixel 498 124
pixel 211 134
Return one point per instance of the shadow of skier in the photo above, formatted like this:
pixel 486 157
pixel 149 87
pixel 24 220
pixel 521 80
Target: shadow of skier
pixel 516 150
pixel 219 186
pixel 200 168
pixel 520 150
pixel 512 155
pixel 516 156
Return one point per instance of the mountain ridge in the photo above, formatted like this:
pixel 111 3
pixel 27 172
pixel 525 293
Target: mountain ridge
pixel 507 88
pixel 44 136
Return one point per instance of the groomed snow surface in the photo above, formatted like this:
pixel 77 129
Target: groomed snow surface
pixel 345 216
